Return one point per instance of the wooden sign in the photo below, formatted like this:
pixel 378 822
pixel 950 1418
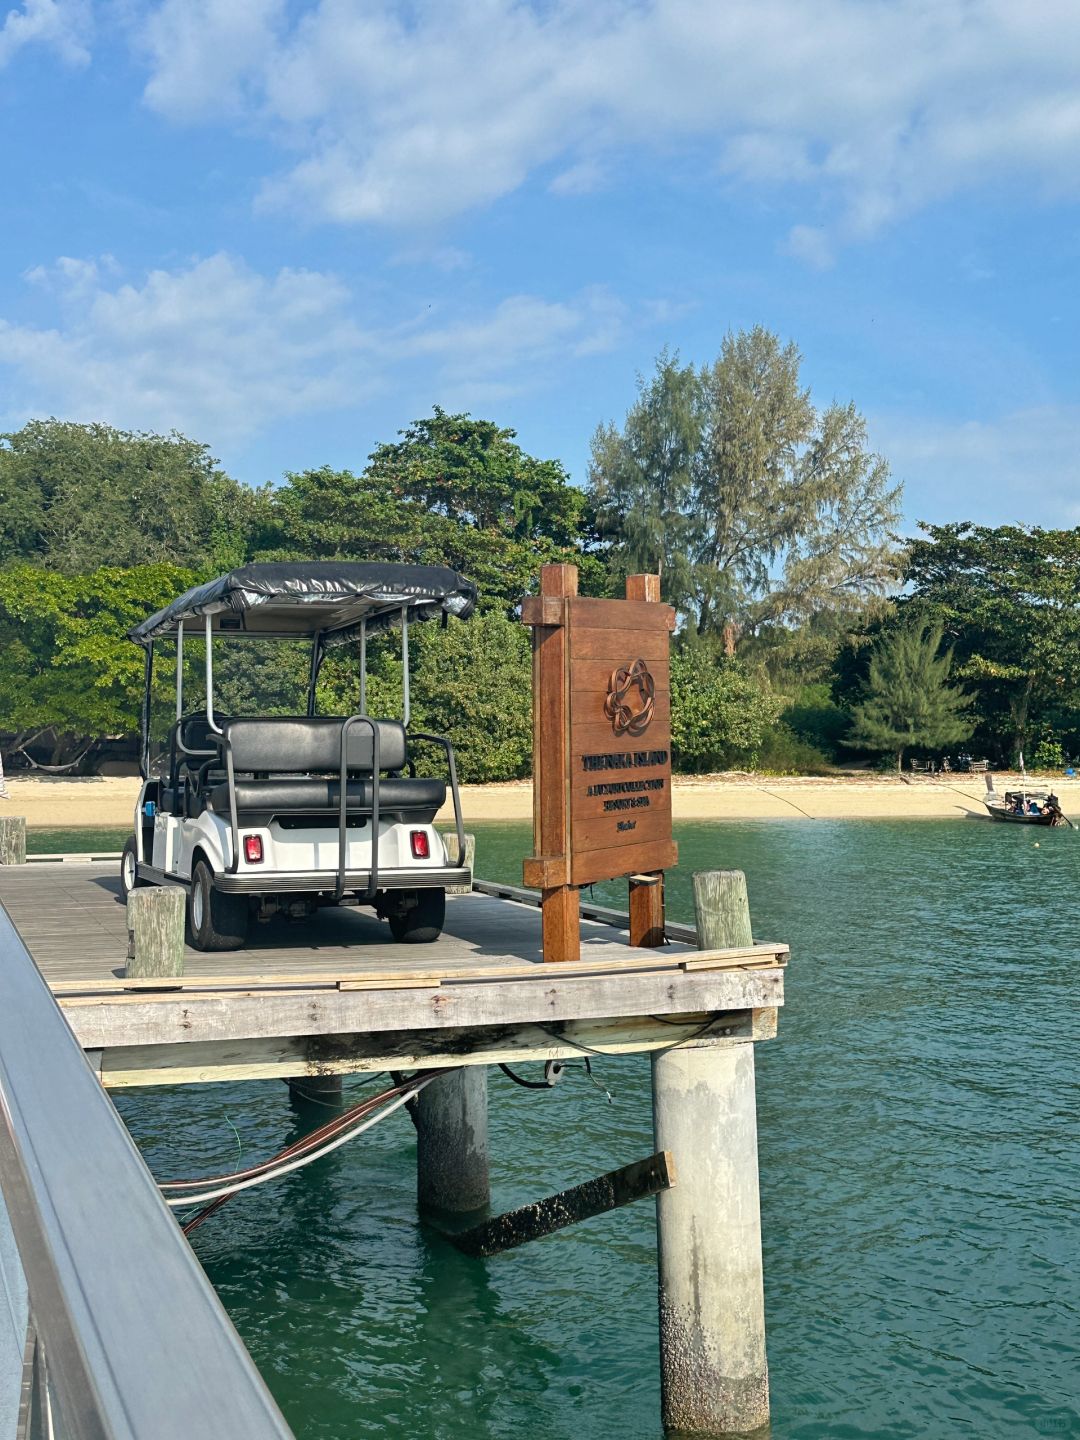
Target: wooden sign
pixel 601 752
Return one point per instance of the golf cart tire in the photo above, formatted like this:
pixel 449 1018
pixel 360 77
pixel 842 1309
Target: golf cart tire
pixel 128 861
pixel 423 922
pixel 216 921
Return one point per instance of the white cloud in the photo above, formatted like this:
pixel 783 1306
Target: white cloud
pixel 1020 467
pixel 811 244
pixel 212 347
pixel 410 114
pixel 62 25
pixel 217 350
pixel 205 53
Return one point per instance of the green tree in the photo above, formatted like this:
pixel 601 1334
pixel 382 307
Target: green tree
pixel 642 480
pixel 908 701
pixel 453 491
pixel 719 712
pixel 1007 600
pixel 68 674
pixel 782 511
pixel 75 497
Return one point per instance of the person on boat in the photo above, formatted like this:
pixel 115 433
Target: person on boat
pixel 1033 807
pixel 1052 808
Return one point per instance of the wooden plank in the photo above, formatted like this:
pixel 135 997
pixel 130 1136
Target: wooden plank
pixel 619 647
pixel 638 616
pixel 607 1192
pixel 589 867
pixel 198 1062
pixel 649 815
pixel 763 954
pixel 167 1020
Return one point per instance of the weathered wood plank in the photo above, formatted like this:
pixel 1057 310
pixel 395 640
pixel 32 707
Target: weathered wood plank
pixel 124 1067
pixel 594 1197
pixel 627 962
pixel 131 1019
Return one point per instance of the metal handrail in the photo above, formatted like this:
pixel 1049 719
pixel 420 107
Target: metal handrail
pixel 343 797
pixel 124 1324
pixel 451 765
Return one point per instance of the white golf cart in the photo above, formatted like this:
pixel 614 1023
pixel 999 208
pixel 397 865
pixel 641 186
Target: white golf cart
pixel 255 816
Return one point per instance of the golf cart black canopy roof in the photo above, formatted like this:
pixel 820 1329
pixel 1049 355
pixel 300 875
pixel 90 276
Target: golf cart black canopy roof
pixel 331 598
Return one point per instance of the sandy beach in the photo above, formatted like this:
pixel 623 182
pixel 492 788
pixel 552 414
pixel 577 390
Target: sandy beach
pixel 109 801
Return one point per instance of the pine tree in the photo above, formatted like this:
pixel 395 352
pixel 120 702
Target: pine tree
pixel 908 701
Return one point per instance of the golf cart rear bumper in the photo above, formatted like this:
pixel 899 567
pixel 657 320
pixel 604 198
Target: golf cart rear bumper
pixel 312 882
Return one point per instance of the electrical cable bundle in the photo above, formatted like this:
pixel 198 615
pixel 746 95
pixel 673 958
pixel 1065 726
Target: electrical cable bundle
pixel 321 1141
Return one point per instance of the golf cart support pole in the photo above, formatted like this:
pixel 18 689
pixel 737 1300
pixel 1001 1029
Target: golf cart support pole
pixel 214 726
pixel 363 667
pixel 313 676
pixel 179 671
pixel 144 748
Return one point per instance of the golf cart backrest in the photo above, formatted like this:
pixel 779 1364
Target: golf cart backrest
pixel 285 743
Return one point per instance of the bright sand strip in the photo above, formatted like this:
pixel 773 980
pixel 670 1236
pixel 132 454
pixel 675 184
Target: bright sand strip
pixel 105 802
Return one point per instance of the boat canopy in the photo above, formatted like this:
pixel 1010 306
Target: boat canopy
pixel 330 599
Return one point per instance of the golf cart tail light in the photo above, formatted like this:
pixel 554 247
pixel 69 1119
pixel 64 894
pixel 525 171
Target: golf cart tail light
pixel 421 849
pixel 253 853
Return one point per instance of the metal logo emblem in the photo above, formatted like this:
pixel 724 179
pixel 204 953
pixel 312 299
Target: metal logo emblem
pixel 630 695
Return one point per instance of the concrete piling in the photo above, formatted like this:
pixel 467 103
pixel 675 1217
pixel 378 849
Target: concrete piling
pixel 714 1374
pixel 451 1142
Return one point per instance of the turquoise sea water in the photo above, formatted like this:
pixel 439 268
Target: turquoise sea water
pixel 918 1122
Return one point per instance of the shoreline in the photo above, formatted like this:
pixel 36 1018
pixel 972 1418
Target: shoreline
pixel 101 802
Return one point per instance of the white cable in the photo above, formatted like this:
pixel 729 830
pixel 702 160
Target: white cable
pixel 207 1195
pixel 275 1160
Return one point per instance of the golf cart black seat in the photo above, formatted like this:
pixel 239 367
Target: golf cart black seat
pixel 311 795
pixel 295 767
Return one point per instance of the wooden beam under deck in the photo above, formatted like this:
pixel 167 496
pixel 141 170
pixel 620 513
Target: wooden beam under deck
pixel 335 995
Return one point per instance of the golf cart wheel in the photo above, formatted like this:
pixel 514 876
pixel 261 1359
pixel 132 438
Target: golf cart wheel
pixel 216 921
pixel 128 881
pixel 421 923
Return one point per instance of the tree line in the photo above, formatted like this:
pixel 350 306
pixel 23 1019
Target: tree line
pixel 809 634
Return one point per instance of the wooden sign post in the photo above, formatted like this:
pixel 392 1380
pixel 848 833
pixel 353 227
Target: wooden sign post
pixel 601 752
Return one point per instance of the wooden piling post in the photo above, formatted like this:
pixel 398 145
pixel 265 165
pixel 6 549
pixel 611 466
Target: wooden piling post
pixel 714 1374
pixel 646 891
pixel 560 905
pixel 450 836
pixel 722 909
pixel 155 918
pixel 451 1142
pixel 320 1089
pixel 12 840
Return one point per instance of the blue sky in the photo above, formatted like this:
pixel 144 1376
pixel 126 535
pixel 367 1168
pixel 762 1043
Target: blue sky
pixel 288 229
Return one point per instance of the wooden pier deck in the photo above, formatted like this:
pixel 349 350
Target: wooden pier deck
pixel 334 994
